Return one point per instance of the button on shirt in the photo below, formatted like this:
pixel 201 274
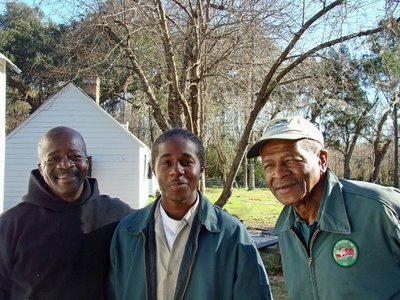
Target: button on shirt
pixel 171 238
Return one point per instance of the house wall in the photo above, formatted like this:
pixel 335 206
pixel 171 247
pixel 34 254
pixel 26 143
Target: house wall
pixel 118 157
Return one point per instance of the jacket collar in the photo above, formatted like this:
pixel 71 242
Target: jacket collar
pixel 333 215
pixel 206 216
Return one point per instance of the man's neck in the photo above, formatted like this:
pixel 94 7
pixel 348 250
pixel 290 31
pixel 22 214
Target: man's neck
pixel 177 210
pixel 308 208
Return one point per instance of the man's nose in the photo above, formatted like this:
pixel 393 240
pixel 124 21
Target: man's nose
pixel 177 168
pixel 281 170
pixel 65 162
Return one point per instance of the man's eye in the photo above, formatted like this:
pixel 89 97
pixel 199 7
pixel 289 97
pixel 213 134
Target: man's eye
pixel 185 163
pixel 267 166
pixel 291 160
pixel 76 157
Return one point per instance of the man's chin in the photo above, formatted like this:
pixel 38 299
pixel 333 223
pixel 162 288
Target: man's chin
pixel 286 199
pixel 68 189
pixel 68 196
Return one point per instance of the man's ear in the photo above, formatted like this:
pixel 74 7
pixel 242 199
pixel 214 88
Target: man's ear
pixel 40 168
pixel 323 160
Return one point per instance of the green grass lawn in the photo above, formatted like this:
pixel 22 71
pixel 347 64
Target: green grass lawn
pixel 257 208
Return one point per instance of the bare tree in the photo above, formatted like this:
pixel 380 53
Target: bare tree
pixel 190 39
pixel 380 147
pixel 283 65
pixel 382 72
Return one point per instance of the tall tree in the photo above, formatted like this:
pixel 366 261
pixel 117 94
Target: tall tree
pixel 29 41
pixel 382 70
pixel 342 102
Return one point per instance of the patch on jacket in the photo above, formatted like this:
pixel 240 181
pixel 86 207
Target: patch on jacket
pixel 345 253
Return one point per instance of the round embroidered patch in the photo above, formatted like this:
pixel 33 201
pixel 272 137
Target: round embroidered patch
pixel 345 253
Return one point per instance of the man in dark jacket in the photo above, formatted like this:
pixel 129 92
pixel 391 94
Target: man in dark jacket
pixel 55 243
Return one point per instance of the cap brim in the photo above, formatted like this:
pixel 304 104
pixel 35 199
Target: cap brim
pixel 254 150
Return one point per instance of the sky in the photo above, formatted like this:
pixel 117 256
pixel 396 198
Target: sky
pixel 54 10
pixel 356 20
pixel 60 11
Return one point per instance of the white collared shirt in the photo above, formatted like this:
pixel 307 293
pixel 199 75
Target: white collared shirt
pixel 172 227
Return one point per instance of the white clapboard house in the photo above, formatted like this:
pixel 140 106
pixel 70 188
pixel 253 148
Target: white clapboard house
pixel 4 63
pixel 120 161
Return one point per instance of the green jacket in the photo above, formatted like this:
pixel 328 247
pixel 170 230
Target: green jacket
pixel 220 260
pixel 355 250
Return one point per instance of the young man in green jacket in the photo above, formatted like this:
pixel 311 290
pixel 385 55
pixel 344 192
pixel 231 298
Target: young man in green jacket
pixel 339 239
pixel 181 246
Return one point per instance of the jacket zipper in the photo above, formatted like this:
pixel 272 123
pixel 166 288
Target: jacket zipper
pixel 310 261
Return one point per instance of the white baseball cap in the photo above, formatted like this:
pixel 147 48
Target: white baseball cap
pixel 289 128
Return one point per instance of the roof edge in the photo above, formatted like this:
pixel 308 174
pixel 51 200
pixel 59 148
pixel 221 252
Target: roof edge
pixel 10 63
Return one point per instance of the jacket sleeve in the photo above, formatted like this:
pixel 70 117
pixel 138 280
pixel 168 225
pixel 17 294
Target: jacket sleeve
pixel 112 287
pixel 395 239
pixel 252 279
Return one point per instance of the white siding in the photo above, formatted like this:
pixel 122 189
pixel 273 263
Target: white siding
pixel 2 125
pixel 118 156
pixel 4 62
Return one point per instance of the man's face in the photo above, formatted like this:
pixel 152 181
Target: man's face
pixel 293 173
pixel 178 170
pixel 64 165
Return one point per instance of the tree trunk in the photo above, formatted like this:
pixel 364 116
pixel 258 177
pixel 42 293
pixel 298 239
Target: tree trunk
pixel 252 178
pixel 245 170
pixel 380 152
pixel 377 166
pixel 396 149
pixel 203 183
pixel 227 190
pixel 346 166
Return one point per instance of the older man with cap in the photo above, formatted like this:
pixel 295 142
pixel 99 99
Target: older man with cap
pixel 339 239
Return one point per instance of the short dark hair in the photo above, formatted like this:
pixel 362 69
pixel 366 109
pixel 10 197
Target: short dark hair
pixel 180 132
